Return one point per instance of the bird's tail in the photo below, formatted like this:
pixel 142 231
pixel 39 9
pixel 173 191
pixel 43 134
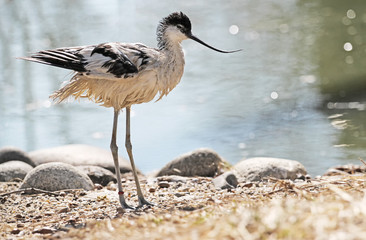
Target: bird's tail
pixel 59 58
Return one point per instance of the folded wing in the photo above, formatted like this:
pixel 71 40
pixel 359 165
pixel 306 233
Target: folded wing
pixel 106 60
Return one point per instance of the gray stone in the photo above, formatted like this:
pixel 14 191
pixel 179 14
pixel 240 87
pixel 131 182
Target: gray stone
pixel 201 162
pixel 14 154
pixel 255 169
pixel 79 154
pixel 13 169
pixel 57 176
pixel 226 180
pixel 98 175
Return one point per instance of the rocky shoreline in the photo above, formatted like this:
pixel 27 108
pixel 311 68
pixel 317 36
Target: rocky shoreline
pixel 79 166
pixel 56 200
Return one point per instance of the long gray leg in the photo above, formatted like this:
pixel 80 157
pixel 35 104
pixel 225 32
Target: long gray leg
pixel 114 150
pixel 142 200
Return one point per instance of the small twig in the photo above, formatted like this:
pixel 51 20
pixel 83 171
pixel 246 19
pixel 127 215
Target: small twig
pixel 342 194
pixel 362 161
pixel 274 191
pixel 272 179
pixel 30 191
pixel 12 192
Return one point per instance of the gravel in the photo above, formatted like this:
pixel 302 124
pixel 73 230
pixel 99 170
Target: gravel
pixel 192 209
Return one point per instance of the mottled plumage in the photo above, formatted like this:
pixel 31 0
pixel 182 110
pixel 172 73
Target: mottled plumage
pixel 121 74
pixel 115 74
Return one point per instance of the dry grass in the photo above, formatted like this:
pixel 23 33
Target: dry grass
pixel 328 208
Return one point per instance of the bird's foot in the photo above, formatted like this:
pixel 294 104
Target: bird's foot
pixel 144 202
pixel 124 204
pixel 127 207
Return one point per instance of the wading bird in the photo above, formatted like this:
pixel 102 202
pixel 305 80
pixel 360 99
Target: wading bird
pixel 119 75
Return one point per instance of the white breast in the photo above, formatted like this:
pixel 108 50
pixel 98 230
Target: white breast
pixel 170 70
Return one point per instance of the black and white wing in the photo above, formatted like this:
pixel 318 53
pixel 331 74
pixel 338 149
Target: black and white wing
pixel 122 60
pixel 106 60
pixel 69 58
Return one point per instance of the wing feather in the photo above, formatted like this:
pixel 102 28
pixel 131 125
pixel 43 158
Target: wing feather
pixel 106 61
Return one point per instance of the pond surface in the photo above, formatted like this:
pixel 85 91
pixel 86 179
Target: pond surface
pixel 296 91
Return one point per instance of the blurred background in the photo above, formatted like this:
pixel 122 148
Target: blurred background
pixel 296 91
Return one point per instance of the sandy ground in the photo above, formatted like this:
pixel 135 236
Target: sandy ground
pixel 326 208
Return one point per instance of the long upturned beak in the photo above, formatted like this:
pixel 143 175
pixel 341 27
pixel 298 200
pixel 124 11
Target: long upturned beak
pixel 191 36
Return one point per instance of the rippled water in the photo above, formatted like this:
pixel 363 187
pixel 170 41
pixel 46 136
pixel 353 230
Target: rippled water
pixel 297 90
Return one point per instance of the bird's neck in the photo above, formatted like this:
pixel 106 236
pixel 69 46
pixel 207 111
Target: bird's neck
pixel 168 44
pixel 172 67
pixel 172 49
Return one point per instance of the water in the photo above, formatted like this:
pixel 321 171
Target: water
pixel 296 91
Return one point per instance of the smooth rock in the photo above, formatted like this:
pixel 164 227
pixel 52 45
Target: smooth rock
pixel 98 175
pixel 57 176
pixel 15 154
pixel 255 169
pixel 13 169
pixel 201 162
pixel 79 154
pixel 226 180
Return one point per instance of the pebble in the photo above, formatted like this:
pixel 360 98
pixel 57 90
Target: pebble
pixel 44 230
pixel 20 225
pixel 247 185
pixel 62 194
pixel 19 216
pixel 63 210
pixel 227 180
pixel 15 231
pixel 179 194
pixel 164 184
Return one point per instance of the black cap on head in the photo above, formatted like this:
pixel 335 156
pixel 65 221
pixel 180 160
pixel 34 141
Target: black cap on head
pixel 177 18
pixel 182 22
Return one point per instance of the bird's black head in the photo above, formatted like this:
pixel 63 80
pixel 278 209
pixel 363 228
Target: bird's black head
pixel 178 19
pixel 175 28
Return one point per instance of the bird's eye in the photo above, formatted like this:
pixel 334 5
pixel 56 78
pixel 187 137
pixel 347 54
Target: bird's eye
pixel 180 26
